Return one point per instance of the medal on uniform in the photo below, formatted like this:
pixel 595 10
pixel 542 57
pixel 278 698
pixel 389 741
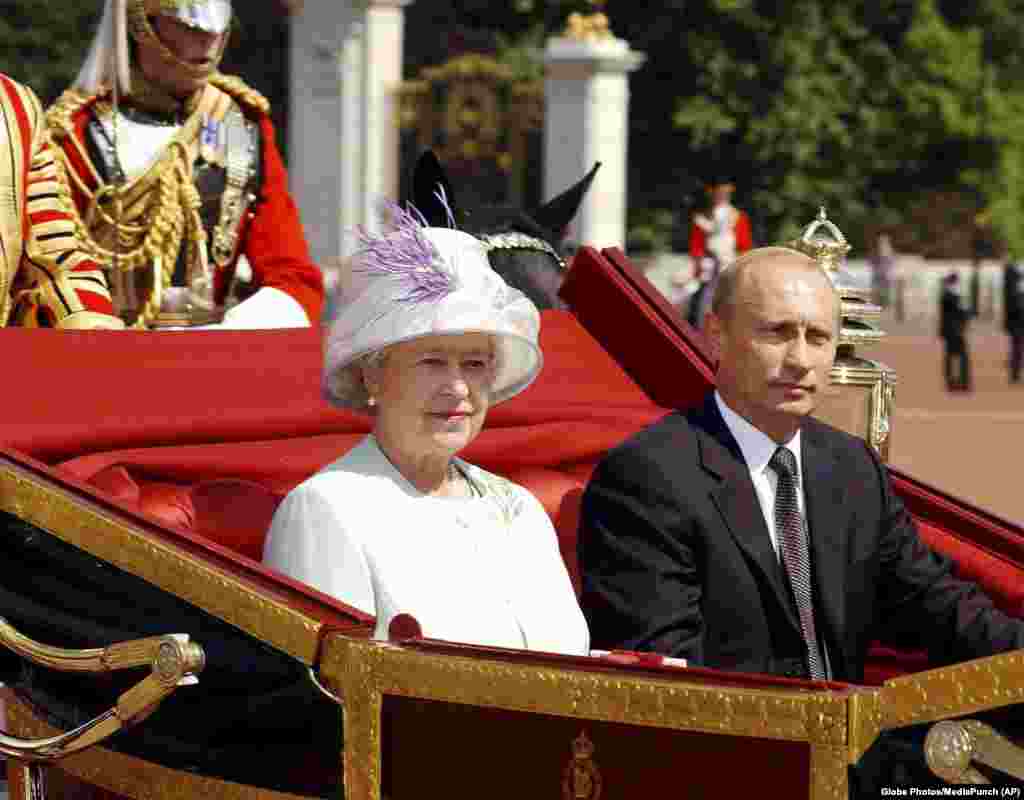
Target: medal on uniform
pixel 209 140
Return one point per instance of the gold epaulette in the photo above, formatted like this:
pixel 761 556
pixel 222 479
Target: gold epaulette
pixel 61 115
pixel 241 92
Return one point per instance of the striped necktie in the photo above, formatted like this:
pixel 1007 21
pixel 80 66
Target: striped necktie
pixel 792 537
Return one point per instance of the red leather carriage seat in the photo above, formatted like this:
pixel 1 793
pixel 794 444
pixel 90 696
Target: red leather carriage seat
pixel 984 549
pixel 211 442
pixel 998 576
pixel 230 511
pixel 548 439
pixel 236 513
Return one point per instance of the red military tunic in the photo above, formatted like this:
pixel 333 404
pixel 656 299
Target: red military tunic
pixel 46 278
pixel 710 237
pixel 269 233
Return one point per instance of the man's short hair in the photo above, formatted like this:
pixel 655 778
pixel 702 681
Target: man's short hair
pixel 729 278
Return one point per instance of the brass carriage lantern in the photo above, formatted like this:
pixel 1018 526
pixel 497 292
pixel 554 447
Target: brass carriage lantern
pixel 861 393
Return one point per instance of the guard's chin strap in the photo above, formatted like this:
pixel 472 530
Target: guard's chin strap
pixel 145 36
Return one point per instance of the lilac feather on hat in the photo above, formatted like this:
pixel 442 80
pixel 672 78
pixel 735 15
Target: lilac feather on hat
pixel 406 255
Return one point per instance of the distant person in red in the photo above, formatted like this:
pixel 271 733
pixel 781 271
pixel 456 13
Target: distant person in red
pixel 717 236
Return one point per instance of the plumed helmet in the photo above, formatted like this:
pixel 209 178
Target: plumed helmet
pixel 211 16
pixel 109 55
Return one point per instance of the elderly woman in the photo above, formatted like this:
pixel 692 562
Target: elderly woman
pixel 427 339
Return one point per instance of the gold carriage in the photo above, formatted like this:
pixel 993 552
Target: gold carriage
pixel 157 658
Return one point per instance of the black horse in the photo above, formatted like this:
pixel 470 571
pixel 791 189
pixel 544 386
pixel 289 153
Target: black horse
pixel 525 248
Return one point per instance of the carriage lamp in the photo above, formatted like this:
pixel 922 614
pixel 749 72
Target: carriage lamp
pixel 860 396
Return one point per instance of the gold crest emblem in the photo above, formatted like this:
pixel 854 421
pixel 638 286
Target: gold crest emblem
pixel 581 779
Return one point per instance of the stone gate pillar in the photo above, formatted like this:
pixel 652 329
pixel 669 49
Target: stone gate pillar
pixel 587 120
pixel 382 75
pixel 343 145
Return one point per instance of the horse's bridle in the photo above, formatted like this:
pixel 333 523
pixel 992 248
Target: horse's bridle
pixel 514 240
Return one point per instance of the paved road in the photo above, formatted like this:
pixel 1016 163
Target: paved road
pixel 965 444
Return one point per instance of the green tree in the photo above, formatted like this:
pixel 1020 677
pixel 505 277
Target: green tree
pixel 879 109
pixel 1000 111
pixel 43 42
pixel 890 112
pixel 860 106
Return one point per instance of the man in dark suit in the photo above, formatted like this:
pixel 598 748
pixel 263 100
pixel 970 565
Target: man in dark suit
pixel 1013 316
pixel 746 535
pixel 953 319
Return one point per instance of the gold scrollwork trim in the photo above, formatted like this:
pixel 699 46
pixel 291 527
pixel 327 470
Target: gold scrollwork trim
pixel 816 717
pixel 122 655
pixel 882 400
pixel 828 773
pixel 860 337
pixel 954 691
pixel 362 735
pixel 473 108
pixel 83 525
pixel 865 720
pixel 859 373
pixel 468 65
pixel 367 670
pixel 881 381
pixel 130 776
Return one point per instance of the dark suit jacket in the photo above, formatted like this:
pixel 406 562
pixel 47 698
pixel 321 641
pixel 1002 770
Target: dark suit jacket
pixel 953 316
pixel 676 558
pixel 1013 301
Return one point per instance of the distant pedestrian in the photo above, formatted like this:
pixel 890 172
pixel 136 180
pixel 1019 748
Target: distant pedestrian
pixel 953 318
pixel 1013 311
pixel 881 269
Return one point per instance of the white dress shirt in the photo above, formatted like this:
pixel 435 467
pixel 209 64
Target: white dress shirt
pixel 758 448
pixel 483 570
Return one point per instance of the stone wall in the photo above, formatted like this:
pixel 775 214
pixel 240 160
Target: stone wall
pixel 915 291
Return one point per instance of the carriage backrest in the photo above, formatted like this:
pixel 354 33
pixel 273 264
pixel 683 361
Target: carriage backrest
pixel 225 486
pixel 217 426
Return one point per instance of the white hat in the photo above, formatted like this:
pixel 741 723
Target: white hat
pixel 418 281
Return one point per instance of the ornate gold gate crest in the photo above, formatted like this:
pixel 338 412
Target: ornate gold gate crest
pixel 582 779
pixel 477 115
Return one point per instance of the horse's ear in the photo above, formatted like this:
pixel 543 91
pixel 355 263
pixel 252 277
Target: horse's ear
pixel 558 212
pixel 432 192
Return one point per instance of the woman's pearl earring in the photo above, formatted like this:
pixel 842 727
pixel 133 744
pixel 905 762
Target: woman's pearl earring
pixel 371 401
